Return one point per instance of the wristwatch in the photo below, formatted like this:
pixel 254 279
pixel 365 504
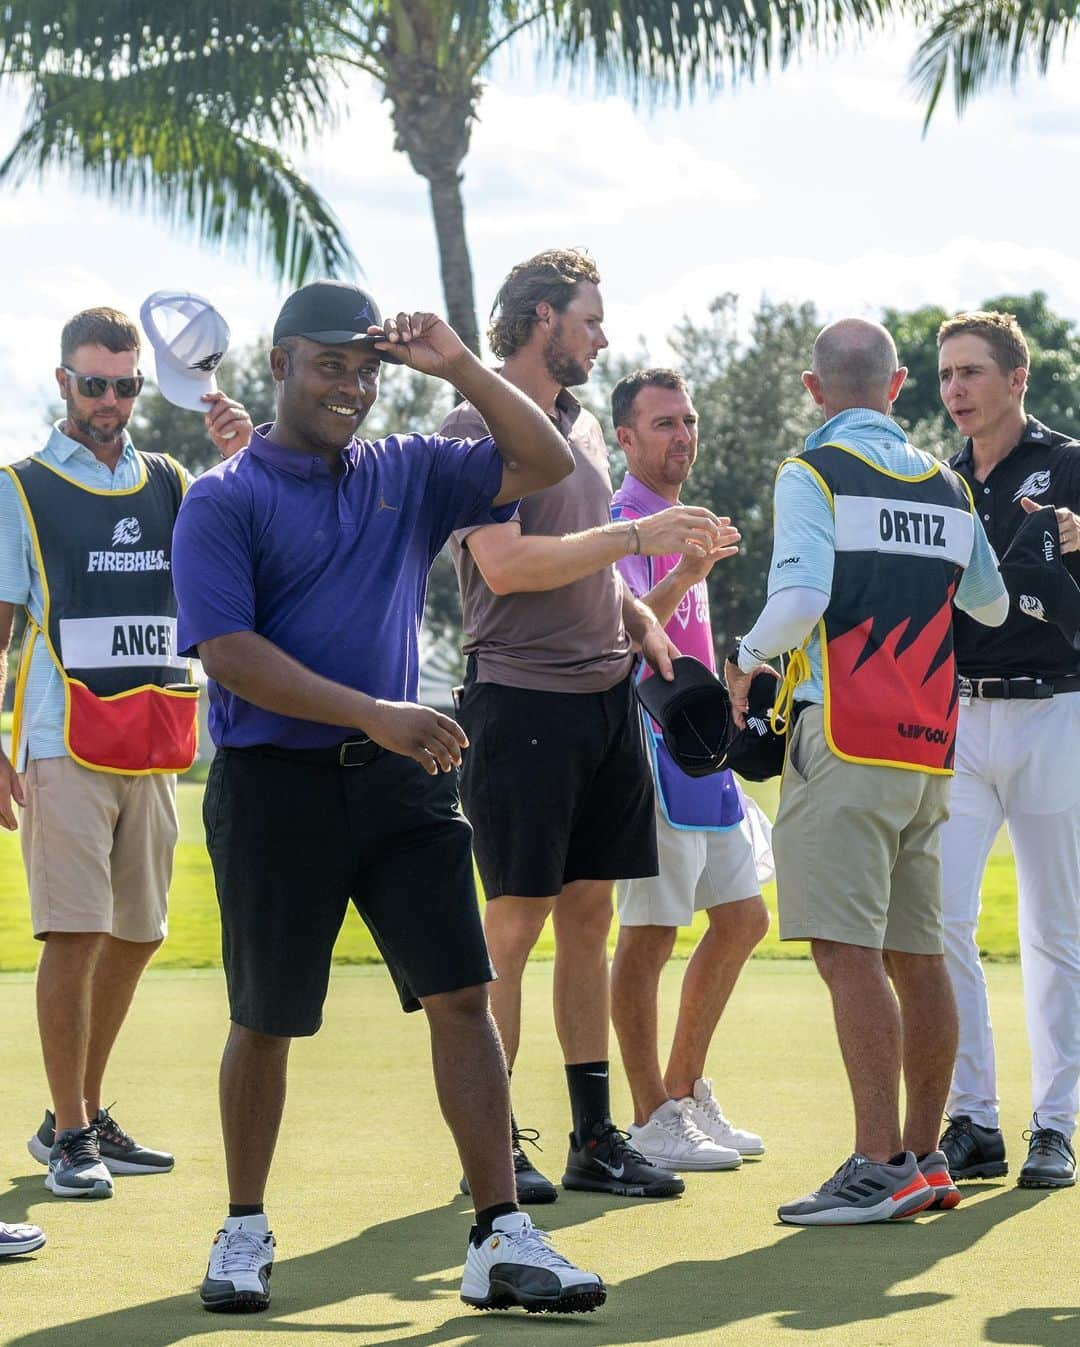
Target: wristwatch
pixel 735 651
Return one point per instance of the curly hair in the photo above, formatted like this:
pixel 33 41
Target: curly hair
pixel 1000 331
pixel 551 277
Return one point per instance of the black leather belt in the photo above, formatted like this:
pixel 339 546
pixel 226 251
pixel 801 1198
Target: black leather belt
pixel 352 753
pixel 1018 689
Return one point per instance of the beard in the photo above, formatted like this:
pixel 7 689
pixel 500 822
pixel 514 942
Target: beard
pixel 99 434
pixel 561 365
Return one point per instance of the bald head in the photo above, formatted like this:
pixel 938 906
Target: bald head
pixel 855 363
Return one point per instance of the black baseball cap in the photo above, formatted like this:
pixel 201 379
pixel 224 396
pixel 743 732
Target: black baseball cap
pixel 1037 578
pixel 756 752
pixel 334 313
pixel 694 712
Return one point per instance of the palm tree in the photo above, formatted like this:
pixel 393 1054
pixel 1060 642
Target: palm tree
pixel 184 109
pixel 982 43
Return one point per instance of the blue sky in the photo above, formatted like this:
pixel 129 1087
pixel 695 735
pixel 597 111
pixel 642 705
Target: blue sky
pixel 814 184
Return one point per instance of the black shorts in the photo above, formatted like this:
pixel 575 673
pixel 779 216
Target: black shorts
pixel 292 842
pixel 557 787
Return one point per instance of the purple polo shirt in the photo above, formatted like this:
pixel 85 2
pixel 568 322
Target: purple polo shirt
pixel 333 571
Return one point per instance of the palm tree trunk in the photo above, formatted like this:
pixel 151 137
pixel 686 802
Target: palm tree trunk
pixel 448 210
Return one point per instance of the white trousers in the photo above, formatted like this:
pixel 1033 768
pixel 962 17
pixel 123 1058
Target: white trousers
pixel 1016 762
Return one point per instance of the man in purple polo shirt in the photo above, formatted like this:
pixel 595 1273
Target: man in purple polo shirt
pixel 300 568
pixel 706 857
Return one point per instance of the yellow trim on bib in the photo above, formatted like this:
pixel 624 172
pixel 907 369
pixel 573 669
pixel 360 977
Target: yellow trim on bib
pixel 885 472
pixel 102 491
pixel 802 463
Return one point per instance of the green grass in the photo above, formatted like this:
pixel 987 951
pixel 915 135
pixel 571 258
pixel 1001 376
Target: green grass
pixel 193 922
pixel 371 1231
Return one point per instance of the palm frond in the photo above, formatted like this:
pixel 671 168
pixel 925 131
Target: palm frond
pixel 975 46
pixel 651 46
pixel 266 72
pixel 190 168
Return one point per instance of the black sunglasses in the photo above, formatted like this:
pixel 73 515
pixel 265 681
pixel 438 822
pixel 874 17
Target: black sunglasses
pixel 94 385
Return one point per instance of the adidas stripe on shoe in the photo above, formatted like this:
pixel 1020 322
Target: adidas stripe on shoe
pixel 862 1191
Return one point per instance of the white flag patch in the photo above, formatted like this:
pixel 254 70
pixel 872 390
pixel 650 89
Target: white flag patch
pixel 118 642
pixel 911 527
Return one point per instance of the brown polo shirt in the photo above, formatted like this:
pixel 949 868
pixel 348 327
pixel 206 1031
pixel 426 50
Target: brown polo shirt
pixel 560 640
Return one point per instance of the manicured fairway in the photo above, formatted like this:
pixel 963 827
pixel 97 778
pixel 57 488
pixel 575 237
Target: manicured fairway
pixel 371 1231
pixel 194 935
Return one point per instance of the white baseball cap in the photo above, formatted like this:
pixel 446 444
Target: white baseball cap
pixel 190 339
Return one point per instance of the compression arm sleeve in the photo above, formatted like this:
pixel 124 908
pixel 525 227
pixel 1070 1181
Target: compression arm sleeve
pixel 785 622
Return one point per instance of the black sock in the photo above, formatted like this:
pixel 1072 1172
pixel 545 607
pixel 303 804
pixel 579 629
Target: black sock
pixel 590 1096
pixel 482 1228
pixel 246 1209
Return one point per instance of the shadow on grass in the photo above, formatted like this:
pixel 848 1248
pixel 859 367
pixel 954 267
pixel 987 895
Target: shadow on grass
pixel 805 1279
pixel 1046 1328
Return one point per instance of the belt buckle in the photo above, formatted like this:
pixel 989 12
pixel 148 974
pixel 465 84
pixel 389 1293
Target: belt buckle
pixel 349 753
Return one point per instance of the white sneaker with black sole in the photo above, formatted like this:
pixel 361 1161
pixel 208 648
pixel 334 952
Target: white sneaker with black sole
pixel 708 1116
pixel 75 1165
pixel 517 1265
pixel 237 1277
pixel 670 1140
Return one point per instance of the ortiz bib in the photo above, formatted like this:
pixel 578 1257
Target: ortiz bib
pixel 886 637
pixel 109 618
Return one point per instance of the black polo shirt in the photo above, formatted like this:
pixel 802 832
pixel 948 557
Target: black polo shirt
pixel 1045 465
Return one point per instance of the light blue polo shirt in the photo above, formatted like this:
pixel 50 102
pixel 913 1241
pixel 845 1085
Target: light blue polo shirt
pixel 20 584
pixel 804 538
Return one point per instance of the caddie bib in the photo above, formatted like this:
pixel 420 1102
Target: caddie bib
pixel 109 616
pixel 888 668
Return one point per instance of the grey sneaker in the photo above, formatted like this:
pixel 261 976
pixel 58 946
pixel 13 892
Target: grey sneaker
pixel 75 1166
pixel 864 1190
pixel 120 1153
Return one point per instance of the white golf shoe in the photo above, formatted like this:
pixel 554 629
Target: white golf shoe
pixel 670 1139
pixel 709 1117
pixel 517 1265
pixel 241 1259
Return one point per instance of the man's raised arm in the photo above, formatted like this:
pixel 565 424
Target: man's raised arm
pixel 534 454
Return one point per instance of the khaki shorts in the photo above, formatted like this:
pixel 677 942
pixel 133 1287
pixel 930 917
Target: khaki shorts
pixel 699 869
pixel 98 849
pixel 857 848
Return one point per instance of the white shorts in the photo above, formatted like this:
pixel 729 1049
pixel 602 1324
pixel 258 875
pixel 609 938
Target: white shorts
pixel 699 869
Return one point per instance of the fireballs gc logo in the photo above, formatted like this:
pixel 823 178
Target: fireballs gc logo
pixel 1032 606
pixel 127 531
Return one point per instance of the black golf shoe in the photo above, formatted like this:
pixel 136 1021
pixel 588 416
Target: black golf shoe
pixel 605 1162
pixel 973 1152
pixel 1050 1161
pixel 532 1187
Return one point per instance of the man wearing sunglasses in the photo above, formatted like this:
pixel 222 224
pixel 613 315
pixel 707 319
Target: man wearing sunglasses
pixel 85 549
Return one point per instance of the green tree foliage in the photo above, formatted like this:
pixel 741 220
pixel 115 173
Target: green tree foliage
pixel 754 413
